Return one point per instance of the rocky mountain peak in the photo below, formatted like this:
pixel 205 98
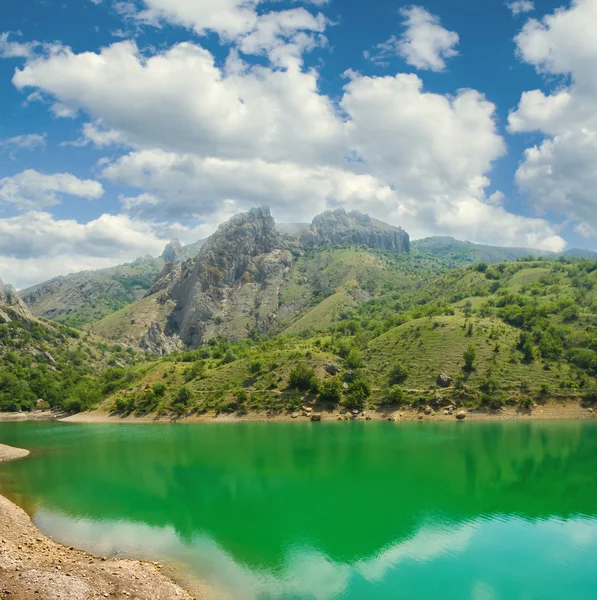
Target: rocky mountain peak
pixel 245 236
pixel 173 252
pixel 333 228
pixel 10 302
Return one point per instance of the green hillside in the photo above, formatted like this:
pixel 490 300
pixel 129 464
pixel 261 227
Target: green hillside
pixel 528 328
pixel 47 365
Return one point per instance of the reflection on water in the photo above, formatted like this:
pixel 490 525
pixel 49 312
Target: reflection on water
pixel 376 510
pixel 308 573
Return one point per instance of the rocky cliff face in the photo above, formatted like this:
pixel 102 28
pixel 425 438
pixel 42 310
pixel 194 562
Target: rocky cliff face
pixel 335 228
pixel 11 305
pixel 232 286
pixel 173 252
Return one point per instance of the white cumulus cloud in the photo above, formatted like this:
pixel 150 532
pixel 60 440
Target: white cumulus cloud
pixel 520 7
pixel 425 43
pixel 559 174
pixel 32 189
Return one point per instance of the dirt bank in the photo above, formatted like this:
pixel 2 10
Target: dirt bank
pixel 9 453
pixel 549 411
pixel 36 415
pixel 34 567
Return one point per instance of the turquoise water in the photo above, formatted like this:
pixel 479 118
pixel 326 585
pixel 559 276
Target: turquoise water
pixel 479 511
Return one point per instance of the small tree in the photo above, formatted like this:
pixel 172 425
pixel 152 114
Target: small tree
pixel 353 360
pixel 358 392
pixel 470 354
pixel 331 391
pixel 398 373
pixel 393 395
pixel 302 377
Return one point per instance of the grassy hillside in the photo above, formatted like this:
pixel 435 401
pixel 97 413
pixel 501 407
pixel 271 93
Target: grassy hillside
pixel 45 365
pixel 509 333
pixel 460 253
pixel 81 298
pixel 528 330
pixel 129 324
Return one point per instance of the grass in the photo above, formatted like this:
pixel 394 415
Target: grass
pixel 130 324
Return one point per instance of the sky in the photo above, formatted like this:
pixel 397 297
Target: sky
pixel 127 123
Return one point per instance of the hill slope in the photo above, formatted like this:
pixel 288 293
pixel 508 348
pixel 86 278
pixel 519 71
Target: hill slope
pixel 87 296
pixel 44 364
pixel 528 331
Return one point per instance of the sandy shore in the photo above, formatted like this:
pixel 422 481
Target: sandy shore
pixel 34 567
pixel 9 453
pixel 36 415
pixel 549 411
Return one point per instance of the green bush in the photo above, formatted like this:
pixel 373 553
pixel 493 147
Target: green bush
pixel 398 373
pixel 470 354
pixel 331 391
pixel 159 389
pixel 353 359
pixel 358 392
pixel 302 377
pixel 393 396
pixel 255 367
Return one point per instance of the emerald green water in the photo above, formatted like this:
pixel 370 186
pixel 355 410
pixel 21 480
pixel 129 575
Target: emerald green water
pixel 479 511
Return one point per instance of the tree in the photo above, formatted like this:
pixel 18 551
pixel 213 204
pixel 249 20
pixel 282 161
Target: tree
pixel 331 391
pixel 398 373
pixel 302 377
pixel 470 354
pixel 358 392
pixel 392 396
pixel 526 346
pixel 353 360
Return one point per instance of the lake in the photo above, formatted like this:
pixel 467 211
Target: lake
pixel 360 510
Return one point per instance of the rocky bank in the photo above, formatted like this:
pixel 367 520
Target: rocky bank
pixel 34 567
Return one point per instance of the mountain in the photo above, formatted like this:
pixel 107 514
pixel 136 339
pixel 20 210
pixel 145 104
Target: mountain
pixel 458 252
pixel 45 364
pixel 249 278
pixel 11 305
pixel 335 228
pixel 87 296
pixel 478 337
pixel 579 253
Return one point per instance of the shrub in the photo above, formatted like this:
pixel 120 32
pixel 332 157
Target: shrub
pixel 159 389
pixel 353 360
pixel 331 391
pixel 302 377
pixel 358 392
pixel 184 395
pixel 493 395
pixel 393 395
pixel 229 357
pixel 470 354
pixel 197 371
pixel 255 367
pixel 398 373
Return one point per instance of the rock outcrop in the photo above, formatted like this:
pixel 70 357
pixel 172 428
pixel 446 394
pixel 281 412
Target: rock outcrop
pixel 335 228
pixel 232 286
pixel 173 252
pixel 11 305
pixel 156 342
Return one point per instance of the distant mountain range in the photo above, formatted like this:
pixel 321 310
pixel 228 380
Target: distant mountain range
pixel 90 296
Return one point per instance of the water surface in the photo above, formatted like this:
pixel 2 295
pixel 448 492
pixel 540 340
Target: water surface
pixel 484 511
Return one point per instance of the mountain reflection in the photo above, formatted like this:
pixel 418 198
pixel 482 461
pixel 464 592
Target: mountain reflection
pixel 292 511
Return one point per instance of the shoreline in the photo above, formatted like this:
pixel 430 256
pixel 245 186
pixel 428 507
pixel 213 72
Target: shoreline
pixel 549 411
pixel 33 566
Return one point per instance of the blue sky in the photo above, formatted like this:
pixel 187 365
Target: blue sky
pixel 127 123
